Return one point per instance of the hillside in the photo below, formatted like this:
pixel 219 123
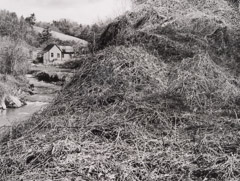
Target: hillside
pixel 61 36
pixel 159 100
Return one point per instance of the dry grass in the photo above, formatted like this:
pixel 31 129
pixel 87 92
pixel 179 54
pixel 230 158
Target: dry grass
pixel 174 30
pixel 203 84
pixel 131 113
pixel 118 120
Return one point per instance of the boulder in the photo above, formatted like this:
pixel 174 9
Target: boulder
pixel 13 102
pixel 3 105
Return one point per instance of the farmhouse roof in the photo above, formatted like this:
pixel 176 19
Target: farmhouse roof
pixel 63 49
pixel 49 47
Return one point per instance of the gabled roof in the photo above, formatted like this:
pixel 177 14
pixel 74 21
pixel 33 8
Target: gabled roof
pixel 63 49
pixel 49 47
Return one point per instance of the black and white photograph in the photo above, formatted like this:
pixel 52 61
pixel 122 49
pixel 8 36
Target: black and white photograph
pixel 119 90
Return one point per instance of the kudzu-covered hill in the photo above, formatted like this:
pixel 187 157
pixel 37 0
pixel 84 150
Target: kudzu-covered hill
pixel 159 100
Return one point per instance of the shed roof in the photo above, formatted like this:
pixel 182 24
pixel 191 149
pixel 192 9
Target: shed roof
pixel 67 49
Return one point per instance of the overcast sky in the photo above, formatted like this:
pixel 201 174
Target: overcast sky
pixel 81 11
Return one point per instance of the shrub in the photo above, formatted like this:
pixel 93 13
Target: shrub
pixel 13 57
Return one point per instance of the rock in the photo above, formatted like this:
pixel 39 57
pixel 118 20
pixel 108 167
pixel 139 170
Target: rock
pixel 13 102
pixel 3 105
pixel 31 92
pixel 31 87
pixel 24 103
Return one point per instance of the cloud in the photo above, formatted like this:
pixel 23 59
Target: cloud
pixel 45 3
pixel 82 11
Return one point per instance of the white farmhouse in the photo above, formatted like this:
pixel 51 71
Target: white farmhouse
pixel 57 54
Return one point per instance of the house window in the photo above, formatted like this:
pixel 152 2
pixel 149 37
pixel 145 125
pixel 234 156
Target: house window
pixel 58 55
pixel 52 54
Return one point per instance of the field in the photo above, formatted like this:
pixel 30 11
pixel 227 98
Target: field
pixel 61 36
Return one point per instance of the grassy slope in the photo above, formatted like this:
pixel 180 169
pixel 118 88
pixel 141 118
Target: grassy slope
pixel 62 36
pixel 155 105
